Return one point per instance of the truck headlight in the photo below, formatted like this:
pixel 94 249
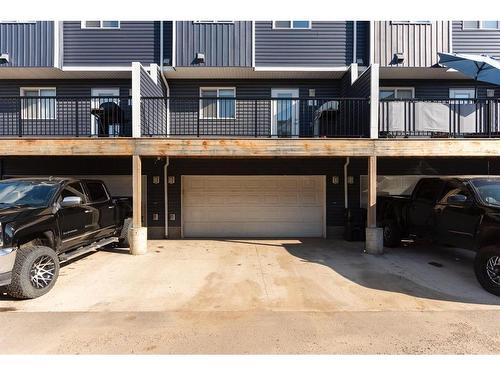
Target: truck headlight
pixel 1 235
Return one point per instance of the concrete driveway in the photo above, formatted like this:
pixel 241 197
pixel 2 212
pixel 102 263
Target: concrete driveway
pixel 259 296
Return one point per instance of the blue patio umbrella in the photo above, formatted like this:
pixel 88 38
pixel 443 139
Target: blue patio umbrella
pixel 480 67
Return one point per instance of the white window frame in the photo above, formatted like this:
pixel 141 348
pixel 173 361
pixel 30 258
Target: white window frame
pixel 15 22
pixel 101 27
pixel 396 88
pixel 217 103
pixel 411 22
pixel 24 116
pixel 291 25
pixel 466 89
pixel 480 26
pixel 228 22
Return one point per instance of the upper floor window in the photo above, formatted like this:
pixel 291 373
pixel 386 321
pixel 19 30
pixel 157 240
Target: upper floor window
pixel 462 93
pixel 39 103
pixel 100 24
pixel 411 22
pixel 217 103
pixel 213 21
pixel 291 24
pixel 17 21
pixel 481 25
pixel 397 92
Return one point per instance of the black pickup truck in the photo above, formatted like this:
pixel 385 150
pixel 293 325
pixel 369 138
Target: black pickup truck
pixel 45 221
pixel 455 211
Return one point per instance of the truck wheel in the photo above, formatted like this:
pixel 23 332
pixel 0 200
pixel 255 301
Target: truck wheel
pixel 392 234
pixel 127 224
pixel 35 271
pixel 487 268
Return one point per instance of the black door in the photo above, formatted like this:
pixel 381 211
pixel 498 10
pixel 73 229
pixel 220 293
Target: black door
pixel 420 214
pixel 456 223
pixel 102 207
pixel 74 221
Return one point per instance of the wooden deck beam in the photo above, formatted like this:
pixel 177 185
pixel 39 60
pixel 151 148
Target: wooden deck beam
pixel 250 148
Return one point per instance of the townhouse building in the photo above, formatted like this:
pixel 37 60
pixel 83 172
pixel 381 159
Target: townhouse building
pixel 247 128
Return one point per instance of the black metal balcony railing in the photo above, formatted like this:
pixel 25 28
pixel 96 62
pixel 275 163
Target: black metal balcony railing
pixel 255 117
pixel 447 118
pixel 62 116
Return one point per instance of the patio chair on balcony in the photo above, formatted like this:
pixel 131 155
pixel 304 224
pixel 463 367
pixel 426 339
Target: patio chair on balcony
pixel 325 118
pixel 109 118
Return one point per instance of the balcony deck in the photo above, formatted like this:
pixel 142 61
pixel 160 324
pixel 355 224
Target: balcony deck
pixel 250 148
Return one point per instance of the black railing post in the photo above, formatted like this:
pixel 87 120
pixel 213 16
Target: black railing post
pixel 77 117
pixel 255 117
pixel 198 120
pixel 20 118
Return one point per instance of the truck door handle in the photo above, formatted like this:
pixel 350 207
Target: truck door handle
pixel 88 211
pixel 111 207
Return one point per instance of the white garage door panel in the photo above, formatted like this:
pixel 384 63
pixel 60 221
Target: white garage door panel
pixel 253 206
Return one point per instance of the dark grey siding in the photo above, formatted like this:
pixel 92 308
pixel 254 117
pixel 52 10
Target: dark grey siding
pixel 476 41
pixel 133 41
pixel 361 88
pixel 184 111
pixel 28 44
pixel 153 105
pixel 73 107
pixel 167 42
pixel 224 44
pixel 65 166
pixel 325 44
pixel 438 89
pixel 419 43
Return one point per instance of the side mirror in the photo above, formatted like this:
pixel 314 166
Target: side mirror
pixel 71 201
pixel 457 199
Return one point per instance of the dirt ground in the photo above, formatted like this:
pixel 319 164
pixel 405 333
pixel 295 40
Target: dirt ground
pixel 259 296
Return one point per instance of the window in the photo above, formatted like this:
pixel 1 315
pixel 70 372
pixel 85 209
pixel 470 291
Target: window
pixel 73 190
pixel 100 24
pixel 453 188
pixel 17 21
pixel 97 192
pixel 397 93
pixel 213 21
pixel 481 25
pixel 429 190
pixel 222 106
pixel 462 93
pixel 291 24
pixel 410 22
pixel 39 104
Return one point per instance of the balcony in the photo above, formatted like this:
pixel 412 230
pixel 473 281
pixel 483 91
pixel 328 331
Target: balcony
pixel 62 116
pixel 439 118
pixel 255 117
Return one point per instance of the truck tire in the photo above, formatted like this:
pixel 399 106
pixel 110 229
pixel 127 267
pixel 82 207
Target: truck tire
pixel 35 271
pixel 487 268
pixel 124 241
pixel 392 234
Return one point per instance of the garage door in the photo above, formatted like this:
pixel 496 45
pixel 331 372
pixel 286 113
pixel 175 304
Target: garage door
pixel 253 206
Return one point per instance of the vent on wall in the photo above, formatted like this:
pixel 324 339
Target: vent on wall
pixel 4 58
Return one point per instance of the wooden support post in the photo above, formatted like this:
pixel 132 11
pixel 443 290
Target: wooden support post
pixel 371 216
pixel 136 191
pixel 374 236
pixel 137 234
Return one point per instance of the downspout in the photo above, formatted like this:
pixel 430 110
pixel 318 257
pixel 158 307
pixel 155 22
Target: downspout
pixel 354 41
pixel 165 183
pixel 168 102
pixel 346 197
pixel 161 46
